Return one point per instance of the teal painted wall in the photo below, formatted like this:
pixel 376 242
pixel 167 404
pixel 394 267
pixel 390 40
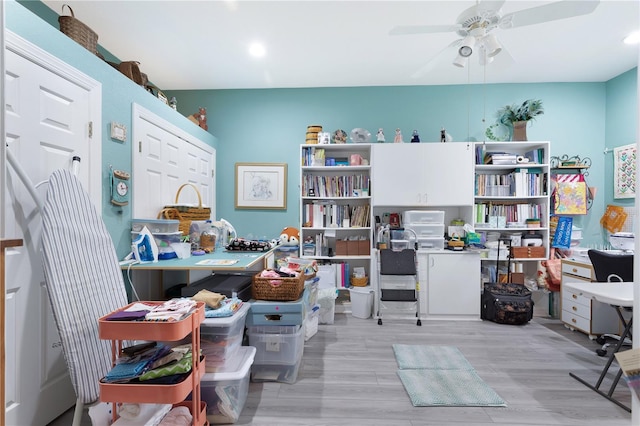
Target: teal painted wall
pixel 118 95
pixel 268 125
pixel 622 124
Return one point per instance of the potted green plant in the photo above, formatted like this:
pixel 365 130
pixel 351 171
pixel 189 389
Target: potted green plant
pixel 515 118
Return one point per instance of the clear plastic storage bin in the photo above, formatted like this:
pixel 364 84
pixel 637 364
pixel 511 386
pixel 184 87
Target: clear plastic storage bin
pixel 225 391
pixel 277 344
pixel 220 338
pixel 283 373
pixel 155 225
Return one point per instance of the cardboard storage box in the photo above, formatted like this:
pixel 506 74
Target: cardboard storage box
pixel 527 252
pixel 364 247
pixel 341 248
pixel 352 248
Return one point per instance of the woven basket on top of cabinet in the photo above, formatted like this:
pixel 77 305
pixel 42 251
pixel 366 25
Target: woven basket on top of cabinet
pixel 78 31
pixel 185 213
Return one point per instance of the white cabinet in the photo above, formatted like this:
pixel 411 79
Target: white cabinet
pixel 422 174
pixel 583 313
pixel 449 285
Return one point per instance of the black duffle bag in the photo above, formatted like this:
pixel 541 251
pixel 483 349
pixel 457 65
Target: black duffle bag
pixel 506 303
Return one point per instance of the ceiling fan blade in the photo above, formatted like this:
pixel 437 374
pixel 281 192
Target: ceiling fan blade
pixel 490 5
pixel 423 29
pixel 439 58
pixel 548 12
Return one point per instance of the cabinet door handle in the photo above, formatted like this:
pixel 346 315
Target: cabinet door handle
pixel 574 308
pixel 574 296
pixel 574 270
pixel 573 320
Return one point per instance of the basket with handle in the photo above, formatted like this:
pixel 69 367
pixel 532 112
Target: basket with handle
pixel 78 31
pixel 185 213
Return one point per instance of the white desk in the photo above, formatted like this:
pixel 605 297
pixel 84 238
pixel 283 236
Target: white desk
pixel 620 296
pixel 616 294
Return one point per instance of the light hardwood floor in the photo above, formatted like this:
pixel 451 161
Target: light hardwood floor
pixel 348 377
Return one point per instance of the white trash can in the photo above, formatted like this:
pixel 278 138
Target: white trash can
pixel 361 301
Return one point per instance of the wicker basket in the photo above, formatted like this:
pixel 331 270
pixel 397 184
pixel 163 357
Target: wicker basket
pixel 78 31
pixel 282 289
pixel 359 281
pixel 185 214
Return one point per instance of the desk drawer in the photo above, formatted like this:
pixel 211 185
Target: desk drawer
pixel 576 321
pixel 577 270
pixel 570 298
pixel 583 311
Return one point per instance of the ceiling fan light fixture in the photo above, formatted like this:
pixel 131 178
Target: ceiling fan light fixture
pixel 491 45
pixel 467 45
pixel 461 61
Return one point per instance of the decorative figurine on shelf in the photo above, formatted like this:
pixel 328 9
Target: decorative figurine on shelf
pixel 201 117
pixel 398 137
pixel 415 137
pixel 380 136
pixel 443 135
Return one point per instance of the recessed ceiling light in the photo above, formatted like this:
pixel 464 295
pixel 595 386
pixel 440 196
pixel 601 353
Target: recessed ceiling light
pixel 633 38
pixel 257 50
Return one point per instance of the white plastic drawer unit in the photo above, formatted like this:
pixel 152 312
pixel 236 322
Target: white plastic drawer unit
pixel 435 243
pixel 422 216
pixel 425 230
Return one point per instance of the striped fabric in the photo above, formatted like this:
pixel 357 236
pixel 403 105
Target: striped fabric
pixel 83 279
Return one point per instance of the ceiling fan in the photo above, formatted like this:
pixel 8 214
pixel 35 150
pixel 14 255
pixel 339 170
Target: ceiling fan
pixel 477 26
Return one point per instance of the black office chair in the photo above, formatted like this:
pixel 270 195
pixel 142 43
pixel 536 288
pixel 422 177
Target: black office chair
pixel 610 267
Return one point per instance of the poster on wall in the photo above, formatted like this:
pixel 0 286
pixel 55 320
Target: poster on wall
pixel 570 194
pixel 624 171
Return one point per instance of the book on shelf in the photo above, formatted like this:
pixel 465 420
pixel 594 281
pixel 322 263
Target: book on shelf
pixel 499 158
pixel 535 156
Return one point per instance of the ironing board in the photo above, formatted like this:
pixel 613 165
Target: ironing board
pixel 83 280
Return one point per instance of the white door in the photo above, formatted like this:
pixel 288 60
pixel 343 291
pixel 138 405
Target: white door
pixel 165 158
pixel 47 123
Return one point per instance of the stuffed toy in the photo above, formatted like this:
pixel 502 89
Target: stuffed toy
pixel 290 236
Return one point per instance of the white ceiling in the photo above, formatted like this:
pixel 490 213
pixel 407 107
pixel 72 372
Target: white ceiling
pixel 203 44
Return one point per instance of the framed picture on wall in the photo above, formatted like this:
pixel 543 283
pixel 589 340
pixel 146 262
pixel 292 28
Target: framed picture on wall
pixel 624 171
pixel 261 186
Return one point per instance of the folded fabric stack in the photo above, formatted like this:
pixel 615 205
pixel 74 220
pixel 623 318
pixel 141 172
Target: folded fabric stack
pixel 172 310
pixel 153 362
